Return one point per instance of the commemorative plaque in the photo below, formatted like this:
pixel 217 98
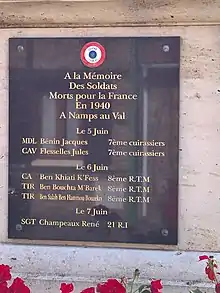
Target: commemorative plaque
pixel 94 139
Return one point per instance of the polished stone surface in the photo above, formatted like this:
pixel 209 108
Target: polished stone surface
pixel 94 139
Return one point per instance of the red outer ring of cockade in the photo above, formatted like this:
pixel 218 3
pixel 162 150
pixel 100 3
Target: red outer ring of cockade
pixel 102 59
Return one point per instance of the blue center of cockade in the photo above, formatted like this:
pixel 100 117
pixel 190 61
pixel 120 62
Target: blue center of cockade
pixel 92 54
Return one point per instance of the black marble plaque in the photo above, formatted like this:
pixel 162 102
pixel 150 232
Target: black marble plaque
pixel 94 139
